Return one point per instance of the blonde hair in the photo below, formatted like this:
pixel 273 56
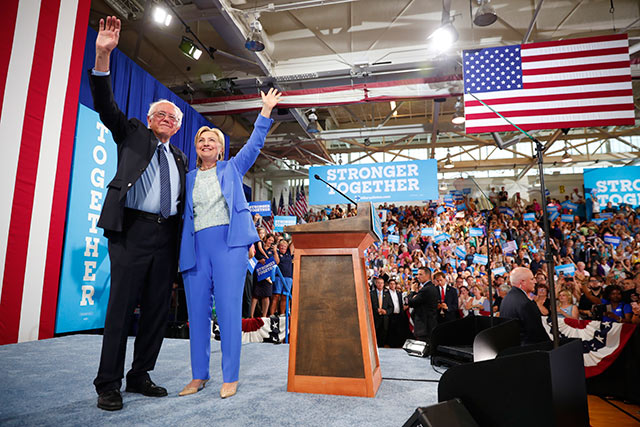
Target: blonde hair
pixel 220 136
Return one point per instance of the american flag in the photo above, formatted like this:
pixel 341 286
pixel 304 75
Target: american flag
pixel 281 209
pixel 549 85
pixel 267 224
pixel 40 69
pixel 300 207
pixel 292 207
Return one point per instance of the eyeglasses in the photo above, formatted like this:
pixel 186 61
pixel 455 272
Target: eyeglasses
pixel 162 115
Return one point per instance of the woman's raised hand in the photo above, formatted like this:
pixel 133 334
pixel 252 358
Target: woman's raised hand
pixel 269 100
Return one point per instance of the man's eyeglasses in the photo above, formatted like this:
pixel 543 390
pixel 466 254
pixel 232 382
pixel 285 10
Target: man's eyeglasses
pixel 162 115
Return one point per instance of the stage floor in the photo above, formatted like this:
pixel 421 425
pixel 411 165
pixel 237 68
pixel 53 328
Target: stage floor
pixel 49 382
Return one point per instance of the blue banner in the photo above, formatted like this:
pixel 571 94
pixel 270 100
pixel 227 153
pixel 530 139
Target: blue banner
pixel 506 210
pixel 85 276
pixel 449 205
pixel 606 215
pixel 375 182
pixel 499 271
pixel 529 217
pixel 566 269
pixel 458 197
pixel 264 270
pixel 612 240
pixel 461 252
pixel 376 222
pixel 616 185
pixel 391 228
pixel 476 232
pixel 393 238
pixel 568 204
pixel 552 208
pixel 279 222
pixel 261 208
pixel 461 207
pixel 566 218
pixel 497 232
pixel 448 198
pixel 427 231
pixel 466 191
pixel 553 215
pixel 439 210
pixel 251 265
pixel 599 220
pixel 441 237
pixel 509 247
pixel 480 259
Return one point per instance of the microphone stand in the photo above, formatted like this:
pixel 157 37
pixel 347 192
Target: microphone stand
pixel 545 220
pixel 337 191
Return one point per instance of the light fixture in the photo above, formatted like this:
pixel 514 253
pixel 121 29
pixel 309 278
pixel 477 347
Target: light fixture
pixel 448 164
pixel 443 186
pixel 566 157
pixel 161 16
pixel 254 39
pixel 458 116
pixel 444 36
pixel 312 126
pixel 392 104
pixel 485 15
pixel 367 142
pixel 189 48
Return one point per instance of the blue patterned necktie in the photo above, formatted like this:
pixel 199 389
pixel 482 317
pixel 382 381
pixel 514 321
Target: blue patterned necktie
pixel 165 183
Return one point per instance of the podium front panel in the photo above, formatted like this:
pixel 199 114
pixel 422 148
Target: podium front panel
pixel 328 335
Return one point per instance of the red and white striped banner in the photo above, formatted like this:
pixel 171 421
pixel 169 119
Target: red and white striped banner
pixel 40 68
pixel 602 342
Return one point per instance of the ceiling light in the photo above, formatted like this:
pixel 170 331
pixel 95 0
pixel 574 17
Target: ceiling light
pixel 161 16
pixel 448 164
pixel 485 15
pixel 367 142
pixel 392 104
pixel 189 48
pixel 566 157
pixel 458 116
pixel 444 37
pixel 443 186
pixel 254 39
pixel 312 126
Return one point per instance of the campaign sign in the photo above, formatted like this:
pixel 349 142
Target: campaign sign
pixel 553 215
pixel 566 218
pixel 475 232
pixel 497 232
pixel 453 262
pixel 251 265
pixel 612 240
pixel 509 247
pixel 616 185
pixel 375 182
pixel 499 271
pixel 506 210
pixel 568 204
pixel 533 249
pixel 458 197
pixel 566 269
pixel 391 228
pixel 261 208
pixel 480 259
pixel 449 205
pixel 279 222
pixel 393 238
pixel 376 223
pixel 529 217
pixel 466 191
pixel 461 207
pixel 552 208
pixel 448 198
pixel 606 215
pixel 460 251
pixel 439 210
pixel 264 270
pixel 598 220
pixel 427 231
pixel 441 237
pixel 85 276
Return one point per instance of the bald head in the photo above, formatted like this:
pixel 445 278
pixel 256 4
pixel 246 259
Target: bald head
pixel 522 278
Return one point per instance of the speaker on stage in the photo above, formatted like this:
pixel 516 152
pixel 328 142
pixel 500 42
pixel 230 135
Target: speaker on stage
pixel 451 413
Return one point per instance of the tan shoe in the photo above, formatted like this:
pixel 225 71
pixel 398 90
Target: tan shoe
pixel 187 390
pixel 228 389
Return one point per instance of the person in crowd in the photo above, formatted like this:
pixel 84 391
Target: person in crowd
pixel 424 301
pixel 282 288
pixel 141 219
pixel 517 305
pixel 566 308
pixel 263 289
pixel 503 290
pixel 217 232
pixel 541 299
pixel 464 300
pixel 398 326
pixel 479 302
pixel 448 299
pixel 615 309
pixel 382 306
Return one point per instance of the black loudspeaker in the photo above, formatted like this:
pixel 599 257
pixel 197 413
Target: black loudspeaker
pixel 451 413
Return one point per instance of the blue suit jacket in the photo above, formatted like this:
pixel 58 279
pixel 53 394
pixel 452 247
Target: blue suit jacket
pixel 242 231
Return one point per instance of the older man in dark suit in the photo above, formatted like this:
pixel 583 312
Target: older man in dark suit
pixel 517 305
pixel 424 301
pixel 448 299
pixel 382 307
pixel 141 219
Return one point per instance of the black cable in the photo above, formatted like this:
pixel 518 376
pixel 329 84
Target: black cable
pixel 411 379
pixel 617 407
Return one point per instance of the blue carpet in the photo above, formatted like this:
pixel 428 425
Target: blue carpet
pixel 49 382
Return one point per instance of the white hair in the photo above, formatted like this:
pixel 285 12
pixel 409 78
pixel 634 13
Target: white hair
pixel 153 106
pixel 518 274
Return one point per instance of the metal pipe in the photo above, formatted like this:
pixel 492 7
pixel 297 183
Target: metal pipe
pixel 533 21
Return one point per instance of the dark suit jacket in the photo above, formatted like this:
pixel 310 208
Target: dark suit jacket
pixel 425 310
pixel 451 299
pixel 136 148
pixel 387 304
pixel 516 305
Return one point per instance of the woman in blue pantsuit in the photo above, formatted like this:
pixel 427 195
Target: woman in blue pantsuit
pixel 217 231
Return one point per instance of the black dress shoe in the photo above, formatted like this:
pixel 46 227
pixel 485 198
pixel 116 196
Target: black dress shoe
pixel 147 388
pixel 110 400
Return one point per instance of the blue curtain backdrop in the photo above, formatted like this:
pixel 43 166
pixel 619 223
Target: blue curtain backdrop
pixel 134 89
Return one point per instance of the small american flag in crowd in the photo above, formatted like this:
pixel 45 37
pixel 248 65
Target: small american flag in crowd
pixel 549 85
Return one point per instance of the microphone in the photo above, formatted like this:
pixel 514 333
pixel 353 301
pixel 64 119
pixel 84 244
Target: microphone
pixel 338 191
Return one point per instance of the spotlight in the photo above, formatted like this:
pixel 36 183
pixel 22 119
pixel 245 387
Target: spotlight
pixel 367 142
pixel 566 157
pixel 189 48
pixel 458 116
pixel 448 164
pixel 161 16
pixel 254 39
pixel 312 127
pixel 444 36
pixel 485 15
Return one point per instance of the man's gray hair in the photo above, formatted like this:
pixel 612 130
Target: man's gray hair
pixel 504 288
pixel 153 106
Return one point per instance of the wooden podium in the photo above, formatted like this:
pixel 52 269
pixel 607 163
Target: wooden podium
pixel 333 341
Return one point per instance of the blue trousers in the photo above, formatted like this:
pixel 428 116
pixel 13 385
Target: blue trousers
pixel 219 272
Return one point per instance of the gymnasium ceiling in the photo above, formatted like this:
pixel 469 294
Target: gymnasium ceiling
pixel 314 44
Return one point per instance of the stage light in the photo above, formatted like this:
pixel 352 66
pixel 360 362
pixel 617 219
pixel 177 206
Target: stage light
pixel 448 164
pixel 189 48
pixel 566 157
pixel 485 15
pixel 312 127
pixel 444 37
pixel 161 16
pixel 254 39
pixel 458 116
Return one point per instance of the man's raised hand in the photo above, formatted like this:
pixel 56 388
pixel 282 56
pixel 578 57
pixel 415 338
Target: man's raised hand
pixel 108 35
